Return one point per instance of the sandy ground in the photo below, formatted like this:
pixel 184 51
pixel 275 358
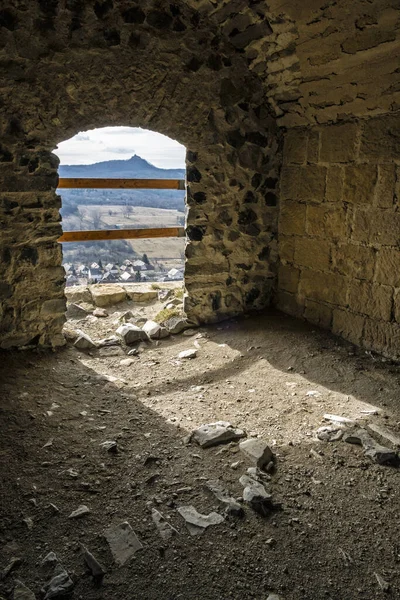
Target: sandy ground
pixel 271 375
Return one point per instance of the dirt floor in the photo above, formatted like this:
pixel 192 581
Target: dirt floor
pixel 338 525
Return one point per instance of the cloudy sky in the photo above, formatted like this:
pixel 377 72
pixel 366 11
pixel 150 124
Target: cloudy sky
pixel 119 143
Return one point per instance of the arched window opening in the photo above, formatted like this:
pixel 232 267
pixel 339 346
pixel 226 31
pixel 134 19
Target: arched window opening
pixel 123 153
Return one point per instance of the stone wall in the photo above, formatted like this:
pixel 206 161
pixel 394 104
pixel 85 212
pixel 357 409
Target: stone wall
pixel 69 66
pixel 339 230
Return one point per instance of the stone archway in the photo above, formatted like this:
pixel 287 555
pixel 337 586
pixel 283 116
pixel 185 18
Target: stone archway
pixel 163 69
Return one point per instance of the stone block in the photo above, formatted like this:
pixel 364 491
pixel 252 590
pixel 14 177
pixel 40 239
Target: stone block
pixel 380 138
pixel 354 261
pixel 295 146
pixel 286 247
pixel 327 222
pixel 51 307
pixel 348 325
pixel 385 186
pixel 289 304
pixel 334 184
pixel 141 293
pixel 396 305
pixel 388 267
pixel 382 337
pixel 338 143
pixel 371 299
pixel 292 219
pixel 323 287
pixel 318 314
pixel 313 145
pixel 303 183
pixel 376 226
pixel 288 278
pixel 313 254
pixel 78 293
pixel 359 184
pixel 107 294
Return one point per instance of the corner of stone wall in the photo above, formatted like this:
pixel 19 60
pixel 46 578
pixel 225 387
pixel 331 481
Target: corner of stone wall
pixel 339 230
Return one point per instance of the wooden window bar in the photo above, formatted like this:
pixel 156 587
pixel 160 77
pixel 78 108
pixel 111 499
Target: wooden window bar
pixel 121 234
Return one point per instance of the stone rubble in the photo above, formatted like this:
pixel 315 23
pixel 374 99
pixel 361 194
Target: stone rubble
pixel 196 522
pixel 21 592
pixel 100 313
pixel 131 333
pixel 13 564
pixel 96 569
pixel 155 331
pixel 330 433
pixel 232 507
pixel 84 342
pixel 60 583
pixel 165 529
pixel 257 451
pixel 123 542
pixel 374 451
pixel 74 311
pixel 220 432
pixel 256 496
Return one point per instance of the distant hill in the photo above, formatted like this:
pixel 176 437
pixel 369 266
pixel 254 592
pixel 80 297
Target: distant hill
pixel 134 167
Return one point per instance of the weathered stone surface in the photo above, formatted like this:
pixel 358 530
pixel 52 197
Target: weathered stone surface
pixel 256 496
pixel 155 330
pixel 96 569
pixel 60 584
pixel 123 542
pixel 196 522
pixel 81 511
pixel 142 293
pixel 78 293
pixel 100 312
pixel 217 488
pixel 21 592
pixel 165 529
pixel 191 353
pixel 338 143
pixel 213 434
pixel 107 294
pixel 176 325
pixel 376 452
pixel 257 451
pixel 84 341
pixel 131 333
pixel 74 311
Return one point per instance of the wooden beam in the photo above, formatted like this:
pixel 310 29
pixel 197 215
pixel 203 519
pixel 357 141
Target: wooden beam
pixel 121 234
pixel 126 184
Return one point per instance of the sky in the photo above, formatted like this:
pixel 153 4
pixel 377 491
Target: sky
pixel 120 143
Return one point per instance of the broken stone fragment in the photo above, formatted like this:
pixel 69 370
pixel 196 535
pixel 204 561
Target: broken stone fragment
pixel 131 333
pixel 374 451
pixel 100 312
pixel 176 325
pixel 110 446
pixel 339 419
pixel 257 451
pixel 21 592
pixel 330 433
pixel 231 506
pixel 191 353
pixel 96 569
pixel 13 564
pixel 74 311
pixel 216 433
pixel 113 340
pixel 127 362
pixel 123 542
pixel 60 585
pixel 164 528
pixel 155 331
pixel 384 435
pixel 81 511
pixel 256 496
pixel 196 522
pixel 84 342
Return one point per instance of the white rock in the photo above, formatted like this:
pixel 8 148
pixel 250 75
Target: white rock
pixel 79 512
pixel 191 353
pixel 127 362
pixel 123 542
pixel 100 312
pixel 154 330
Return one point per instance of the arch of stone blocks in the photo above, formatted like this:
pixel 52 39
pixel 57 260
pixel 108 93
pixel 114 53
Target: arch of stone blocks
pixel 231 80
